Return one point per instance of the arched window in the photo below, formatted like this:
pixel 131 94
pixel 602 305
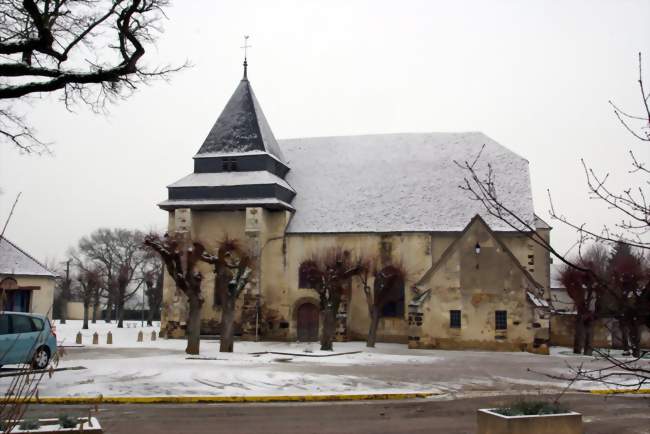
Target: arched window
pixel 389 291
pixel 307 268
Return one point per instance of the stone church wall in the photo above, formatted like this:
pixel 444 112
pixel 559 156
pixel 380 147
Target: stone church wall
pixel 497 284
pixel 478 285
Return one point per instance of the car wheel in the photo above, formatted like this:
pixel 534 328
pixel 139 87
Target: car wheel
pixel 41 358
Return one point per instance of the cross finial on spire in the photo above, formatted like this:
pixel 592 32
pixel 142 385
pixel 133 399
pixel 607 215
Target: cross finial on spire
pixel 246 47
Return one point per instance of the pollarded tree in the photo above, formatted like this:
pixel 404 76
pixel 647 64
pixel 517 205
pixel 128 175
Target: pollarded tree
pixel 387 287
pixel 328 276
pixel 586 290
pixel 629 295
pixel 90 50
pixel 232 269
pixel 181 257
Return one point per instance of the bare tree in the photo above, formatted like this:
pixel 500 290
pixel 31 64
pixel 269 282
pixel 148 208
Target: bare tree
pixel 89 279
pixel 153 279
pixel 629 298
pixel 387 287
pixel 328 276
pixel 232 271
pixel 586 289
pixel 90 50
pixel 180 258
pixel 120 254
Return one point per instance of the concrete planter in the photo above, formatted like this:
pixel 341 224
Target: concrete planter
pixel 490 422
pixel 51 426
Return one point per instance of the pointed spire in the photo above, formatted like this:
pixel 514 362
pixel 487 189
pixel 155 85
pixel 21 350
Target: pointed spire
pixel 246 47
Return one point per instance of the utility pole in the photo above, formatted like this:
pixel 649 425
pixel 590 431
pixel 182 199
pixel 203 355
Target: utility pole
pixel 65 292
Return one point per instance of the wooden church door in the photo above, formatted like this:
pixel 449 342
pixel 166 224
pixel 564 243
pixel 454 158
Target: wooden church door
pixel 307 322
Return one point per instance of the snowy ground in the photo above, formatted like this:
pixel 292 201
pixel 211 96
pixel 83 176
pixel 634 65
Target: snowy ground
pixel 160 367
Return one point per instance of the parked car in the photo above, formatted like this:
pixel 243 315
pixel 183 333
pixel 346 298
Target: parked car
pixel 26 338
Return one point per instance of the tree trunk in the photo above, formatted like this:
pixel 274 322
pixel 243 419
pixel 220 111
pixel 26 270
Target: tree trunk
pixel 120 316
pixel 635 338
pixel 150 315
pixel 95 307
pixel 328 330
pixel 193 330
pixel 119 311
pixel 109 310
pixel 374 322
pixel 588 337
pixel 578 334
pixel 64 310
pixel 86 308
pixel 227 326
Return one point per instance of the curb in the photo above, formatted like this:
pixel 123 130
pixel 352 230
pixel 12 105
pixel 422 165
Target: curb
pixel 619 391
pixel 224 399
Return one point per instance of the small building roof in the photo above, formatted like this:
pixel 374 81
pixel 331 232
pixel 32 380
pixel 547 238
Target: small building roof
pixel 399 182
pixel 241 127
pixel 16 262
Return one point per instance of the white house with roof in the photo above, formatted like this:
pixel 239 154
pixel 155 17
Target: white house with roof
pixel 26 285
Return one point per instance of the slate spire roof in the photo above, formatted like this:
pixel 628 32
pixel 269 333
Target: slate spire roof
pixel 241 127
pixel 239 164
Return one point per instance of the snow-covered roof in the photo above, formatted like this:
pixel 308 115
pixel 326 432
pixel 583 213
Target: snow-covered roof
pixel 398 182
pixel 537 301
pixel 15 261
pixel 230 178
pixel 241 127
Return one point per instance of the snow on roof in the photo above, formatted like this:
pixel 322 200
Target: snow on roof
pixel 537 301
pixel 230 178
pixel 15 261
pixel 398 182
pixel 241 126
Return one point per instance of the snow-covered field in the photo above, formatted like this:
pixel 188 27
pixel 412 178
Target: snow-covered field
pixel 161 368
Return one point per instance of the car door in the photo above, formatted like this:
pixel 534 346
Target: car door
pixel 7 340
pixel 26 337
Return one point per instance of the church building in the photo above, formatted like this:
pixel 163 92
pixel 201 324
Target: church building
pixel 470 281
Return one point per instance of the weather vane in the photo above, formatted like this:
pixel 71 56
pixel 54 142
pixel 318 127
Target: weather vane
pixel 246 47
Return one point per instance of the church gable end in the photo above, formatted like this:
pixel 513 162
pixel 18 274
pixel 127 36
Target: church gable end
pixel 478 297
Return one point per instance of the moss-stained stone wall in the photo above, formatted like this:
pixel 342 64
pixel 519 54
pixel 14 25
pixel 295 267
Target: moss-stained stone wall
pixel 443 263
pixel 478 285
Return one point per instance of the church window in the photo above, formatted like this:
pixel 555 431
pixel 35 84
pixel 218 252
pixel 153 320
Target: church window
pixel 501 320
pixel 454 319
pixel 389 287
pixel 229 165
pixel 306 271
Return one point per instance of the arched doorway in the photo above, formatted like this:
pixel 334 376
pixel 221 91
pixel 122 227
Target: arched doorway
pixel 307 322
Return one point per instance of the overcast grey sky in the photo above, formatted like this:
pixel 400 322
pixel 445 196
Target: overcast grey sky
pixel 533 75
